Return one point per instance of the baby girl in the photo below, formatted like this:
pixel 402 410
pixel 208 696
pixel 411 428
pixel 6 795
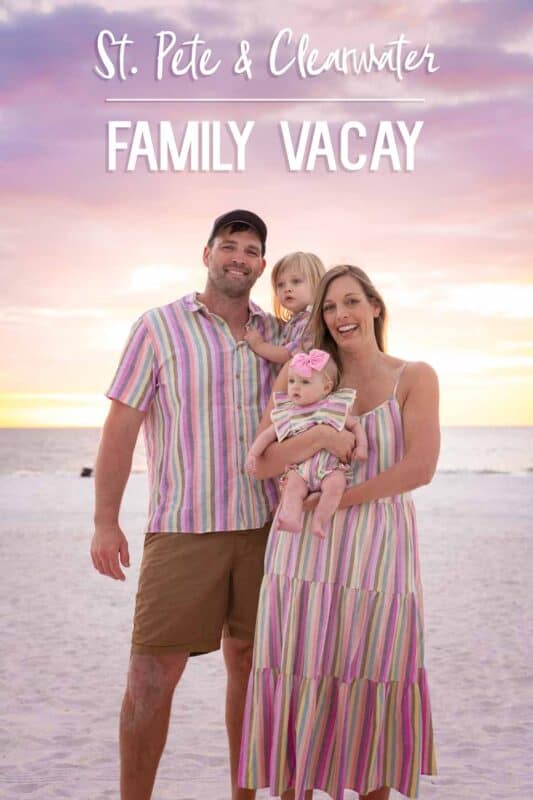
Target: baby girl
pixel 311 399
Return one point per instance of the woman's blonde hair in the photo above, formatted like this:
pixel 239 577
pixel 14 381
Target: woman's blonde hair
pixel 310 266
pixel 332 372
pixel 316 326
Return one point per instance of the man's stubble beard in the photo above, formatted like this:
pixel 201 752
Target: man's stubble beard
pixel 224 288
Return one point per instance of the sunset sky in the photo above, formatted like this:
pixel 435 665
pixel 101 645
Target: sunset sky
pixel 84 251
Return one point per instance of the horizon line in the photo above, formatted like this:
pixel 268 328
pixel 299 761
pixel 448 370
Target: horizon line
pixel 265 100
pixel 4 427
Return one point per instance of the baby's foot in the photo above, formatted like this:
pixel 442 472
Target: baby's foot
pixel 290 520
pixel 318 528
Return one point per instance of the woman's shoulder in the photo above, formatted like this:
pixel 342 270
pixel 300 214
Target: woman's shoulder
pixel 417 370
pixel 412 375
pixel 403 365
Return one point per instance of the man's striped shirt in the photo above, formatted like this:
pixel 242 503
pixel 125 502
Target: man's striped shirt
pixel 204 394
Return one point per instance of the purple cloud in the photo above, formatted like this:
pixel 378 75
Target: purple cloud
pixel 479 22
pixel 469 179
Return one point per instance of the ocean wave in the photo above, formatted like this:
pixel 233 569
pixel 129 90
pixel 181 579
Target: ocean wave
pixel 34 472
pixel 477 472
pixel 25 473
pixel 457 471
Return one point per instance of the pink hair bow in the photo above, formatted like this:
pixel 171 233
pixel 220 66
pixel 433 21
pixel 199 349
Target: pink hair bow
pixel 303 363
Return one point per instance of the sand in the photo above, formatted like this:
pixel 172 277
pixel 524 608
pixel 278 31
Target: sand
pixel 65 643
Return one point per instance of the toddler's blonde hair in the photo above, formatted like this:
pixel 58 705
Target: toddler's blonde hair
pixel 310 266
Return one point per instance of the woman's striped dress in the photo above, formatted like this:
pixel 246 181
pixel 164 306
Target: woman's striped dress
pixel 338 697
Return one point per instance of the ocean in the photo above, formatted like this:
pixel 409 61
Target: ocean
pixel 506 450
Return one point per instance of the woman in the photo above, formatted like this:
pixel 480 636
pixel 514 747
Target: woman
pixel 338 696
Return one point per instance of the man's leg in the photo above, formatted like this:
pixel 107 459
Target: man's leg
pixel 238 657
pixel 144 720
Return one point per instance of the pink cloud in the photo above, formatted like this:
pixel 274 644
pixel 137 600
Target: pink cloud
pixel 479 69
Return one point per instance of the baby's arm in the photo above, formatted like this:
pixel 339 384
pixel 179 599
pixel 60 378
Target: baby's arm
pixel 271 352
pixel 259 446
pixel 361 442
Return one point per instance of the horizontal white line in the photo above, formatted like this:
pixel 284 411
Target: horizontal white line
pixel 265 100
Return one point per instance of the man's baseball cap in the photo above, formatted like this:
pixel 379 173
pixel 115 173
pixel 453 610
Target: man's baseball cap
pixel 247 218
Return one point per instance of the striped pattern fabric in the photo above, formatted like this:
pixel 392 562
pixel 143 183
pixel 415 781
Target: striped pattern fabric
pixel 338 697
pixel 204 395
pixel 292 335
pixel 290 419
pixel 313 470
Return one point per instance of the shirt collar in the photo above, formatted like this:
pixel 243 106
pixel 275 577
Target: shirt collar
pixel 301 314
pixel 194 304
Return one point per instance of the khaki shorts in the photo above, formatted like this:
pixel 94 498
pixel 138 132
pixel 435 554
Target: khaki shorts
pixel 195 588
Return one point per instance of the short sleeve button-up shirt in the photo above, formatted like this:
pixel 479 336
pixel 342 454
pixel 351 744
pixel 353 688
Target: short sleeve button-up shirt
pixel 204 394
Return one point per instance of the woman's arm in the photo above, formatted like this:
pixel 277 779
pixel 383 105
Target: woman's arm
pixel 361 442
pixel 279 455
pixel 420 414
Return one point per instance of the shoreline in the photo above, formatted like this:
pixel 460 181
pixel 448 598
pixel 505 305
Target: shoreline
pixel 66 632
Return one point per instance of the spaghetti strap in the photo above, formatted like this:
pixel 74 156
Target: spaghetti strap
pixel 400 373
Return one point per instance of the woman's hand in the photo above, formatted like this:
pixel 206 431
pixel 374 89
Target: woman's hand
pixel 340 443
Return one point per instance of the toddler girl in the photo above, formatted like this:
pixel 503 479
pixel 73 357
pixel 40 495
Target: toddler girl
pixel 310 400
pixel 294 281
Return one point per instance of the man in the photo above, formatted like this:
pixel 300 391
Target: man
pixel 189 376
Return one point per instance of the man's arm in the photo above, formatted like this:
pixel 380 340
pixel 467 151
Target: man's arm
pixel 113 465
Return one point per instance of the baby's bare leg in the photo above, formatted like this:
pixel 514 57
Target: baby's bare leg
pixel 294 493
pixel 332 487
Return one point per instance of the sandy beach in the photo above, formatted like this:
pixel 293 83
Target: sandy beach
pixel 65 644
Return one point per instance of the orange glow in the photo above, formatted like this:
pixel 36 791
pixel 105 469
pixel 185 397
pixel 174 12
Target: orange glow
pixel 52 410
pixel 463 402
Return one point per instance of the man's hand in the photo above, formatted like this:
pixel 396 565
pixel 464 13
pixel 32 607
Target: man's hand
pixel 108 546
pixel 113 464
